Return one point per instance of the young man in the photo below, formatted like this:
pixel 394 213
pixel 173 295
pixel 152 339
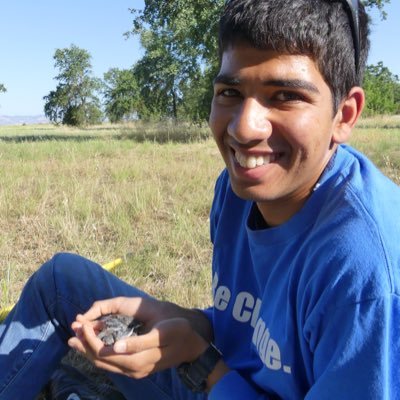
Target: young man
pixel 306 264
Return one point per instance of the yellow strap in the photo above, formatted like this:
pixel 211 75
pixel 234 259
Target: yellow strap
pixel 113 264
pixel 4 312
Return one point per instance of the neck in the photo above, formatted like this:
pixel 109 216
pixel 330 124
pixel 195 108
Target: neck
pixel 278 212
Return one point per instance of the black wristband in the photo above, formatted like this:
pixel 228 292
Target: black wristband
pixel 195 374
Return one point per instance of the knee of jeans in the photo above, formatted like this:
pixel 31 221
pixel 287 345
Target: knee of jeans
pixel 68 266
pixel 68 273
pixel 62 267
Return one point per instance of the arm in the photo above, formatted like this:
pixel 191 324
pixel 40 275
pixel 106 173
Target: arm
pixel 172 335
pixel 358 353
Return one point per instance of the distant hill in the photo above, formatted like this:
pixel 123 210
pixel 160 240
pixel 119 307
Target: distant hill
pixel 20 120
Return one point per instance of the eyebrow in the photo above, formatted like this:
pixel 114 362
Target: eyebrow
pixel 286 83
pixel 226 80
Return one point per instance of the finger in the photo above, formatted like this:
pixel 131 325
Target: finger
pixel 142 354
pixel 76 326
pixel 116 363
pixel 93 343
pixel 162 334
pixel 82 347
pixel 99 363
pixel 146 362
pixel 117 305
pixel 137 344
pixel 100 308
pixel 85 349
pixel 106 364
pixel 77 345
pixel 134 365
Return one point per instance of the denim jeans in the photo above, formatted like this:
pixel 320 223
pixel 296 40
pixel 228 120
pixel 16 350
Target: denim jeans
pixel 33 338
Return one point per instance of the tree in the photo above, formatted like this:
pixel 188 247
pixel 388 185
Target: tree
pixel 2 88
pixel 121 94
pixel 382 90
pixel 379 4
pixel 74 102
pixel 159 74
pixel 180 60
pixel 179 39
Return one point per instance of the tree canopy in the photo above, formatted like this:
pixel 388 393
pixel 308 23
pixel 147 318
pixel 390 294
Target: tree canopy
pixel 121 95
pixel 173 79
pixel 74 101
pixel 2 88
pixel 382 90
pixel 180 58
pixel 379 4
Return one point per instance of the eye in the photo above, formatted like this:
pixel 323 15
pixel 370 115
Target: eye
pixel 288 96
pixel 228 92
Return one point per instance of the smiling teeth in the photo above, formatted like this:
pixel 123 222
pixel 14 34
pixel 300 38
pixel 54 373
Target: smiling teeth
pixel 252 161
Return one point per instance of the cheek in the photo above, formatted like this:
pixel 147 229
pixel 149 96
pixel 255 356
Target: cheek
pixel 303 138
pixel 216 122
pixel 308 132
pixel 298 130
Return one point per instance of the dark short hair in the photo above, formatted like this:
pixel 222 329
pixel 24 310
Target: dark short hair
pixel 320 29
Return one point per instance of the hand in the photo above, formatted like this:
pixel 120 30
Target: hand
pixel 172 335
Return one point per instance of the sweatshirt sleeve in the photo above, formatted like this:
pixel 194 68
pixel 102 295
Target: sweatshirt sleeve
pixel 357 357
pixel 358 353
pixel 232 386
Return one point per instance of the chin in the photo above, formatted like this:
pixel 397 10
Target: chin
pixel 252 193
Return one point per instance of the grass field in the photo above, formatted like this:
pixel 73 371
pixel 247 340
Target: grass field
pixel 137 189
pixel 142 190
pixel 106 192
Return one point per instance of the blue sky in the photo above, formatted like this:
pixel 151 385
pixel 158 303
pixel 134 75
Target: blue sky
pixel 31 31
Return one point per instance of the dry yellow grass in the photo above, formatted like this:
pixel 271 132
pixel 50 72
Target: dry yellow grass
pixel 110 190
pixel 141 189
pixel 105 196
pixel 379 139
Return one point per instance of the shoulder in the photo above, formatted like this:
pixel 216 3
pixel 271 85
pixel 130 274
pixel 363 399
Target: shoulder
pixel 367 183
pixel 361 205
pixel 351 253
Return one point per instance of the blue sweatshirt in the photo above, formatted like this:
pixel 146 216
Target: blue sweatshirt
pixel 310 309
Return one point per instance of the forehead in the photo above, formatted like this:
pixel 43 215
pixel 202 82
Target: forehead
pixel 245 60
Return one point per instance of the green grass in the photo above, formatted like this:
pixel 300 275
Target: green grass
pixel 379 139
pixel 140 189
pixel 106 192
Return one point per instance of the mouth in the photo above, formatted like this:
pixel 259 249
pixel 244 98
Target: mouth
pixel 255 161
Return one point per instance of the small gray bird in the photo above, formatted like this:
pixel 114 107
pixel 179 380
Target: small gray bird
pixel 116 327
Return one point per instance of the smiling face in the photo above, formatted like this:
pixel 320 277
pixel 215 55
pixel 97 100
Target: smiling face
pixel 273 122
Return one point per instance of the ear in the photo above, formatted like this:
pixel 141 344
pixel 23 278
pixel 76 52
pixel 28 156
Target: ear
pixel 347 115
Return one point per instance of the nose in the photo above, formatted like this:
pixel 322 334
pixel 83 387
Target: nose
pixel 250 122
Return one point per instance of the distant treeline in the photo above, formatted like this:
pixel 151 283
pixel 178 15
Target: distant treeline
pixel 173 79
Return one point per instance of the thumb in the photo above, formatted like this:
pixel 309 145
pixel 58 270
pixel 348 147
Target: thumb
pixel 137 344
pixel 161 335
pixel 120 346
